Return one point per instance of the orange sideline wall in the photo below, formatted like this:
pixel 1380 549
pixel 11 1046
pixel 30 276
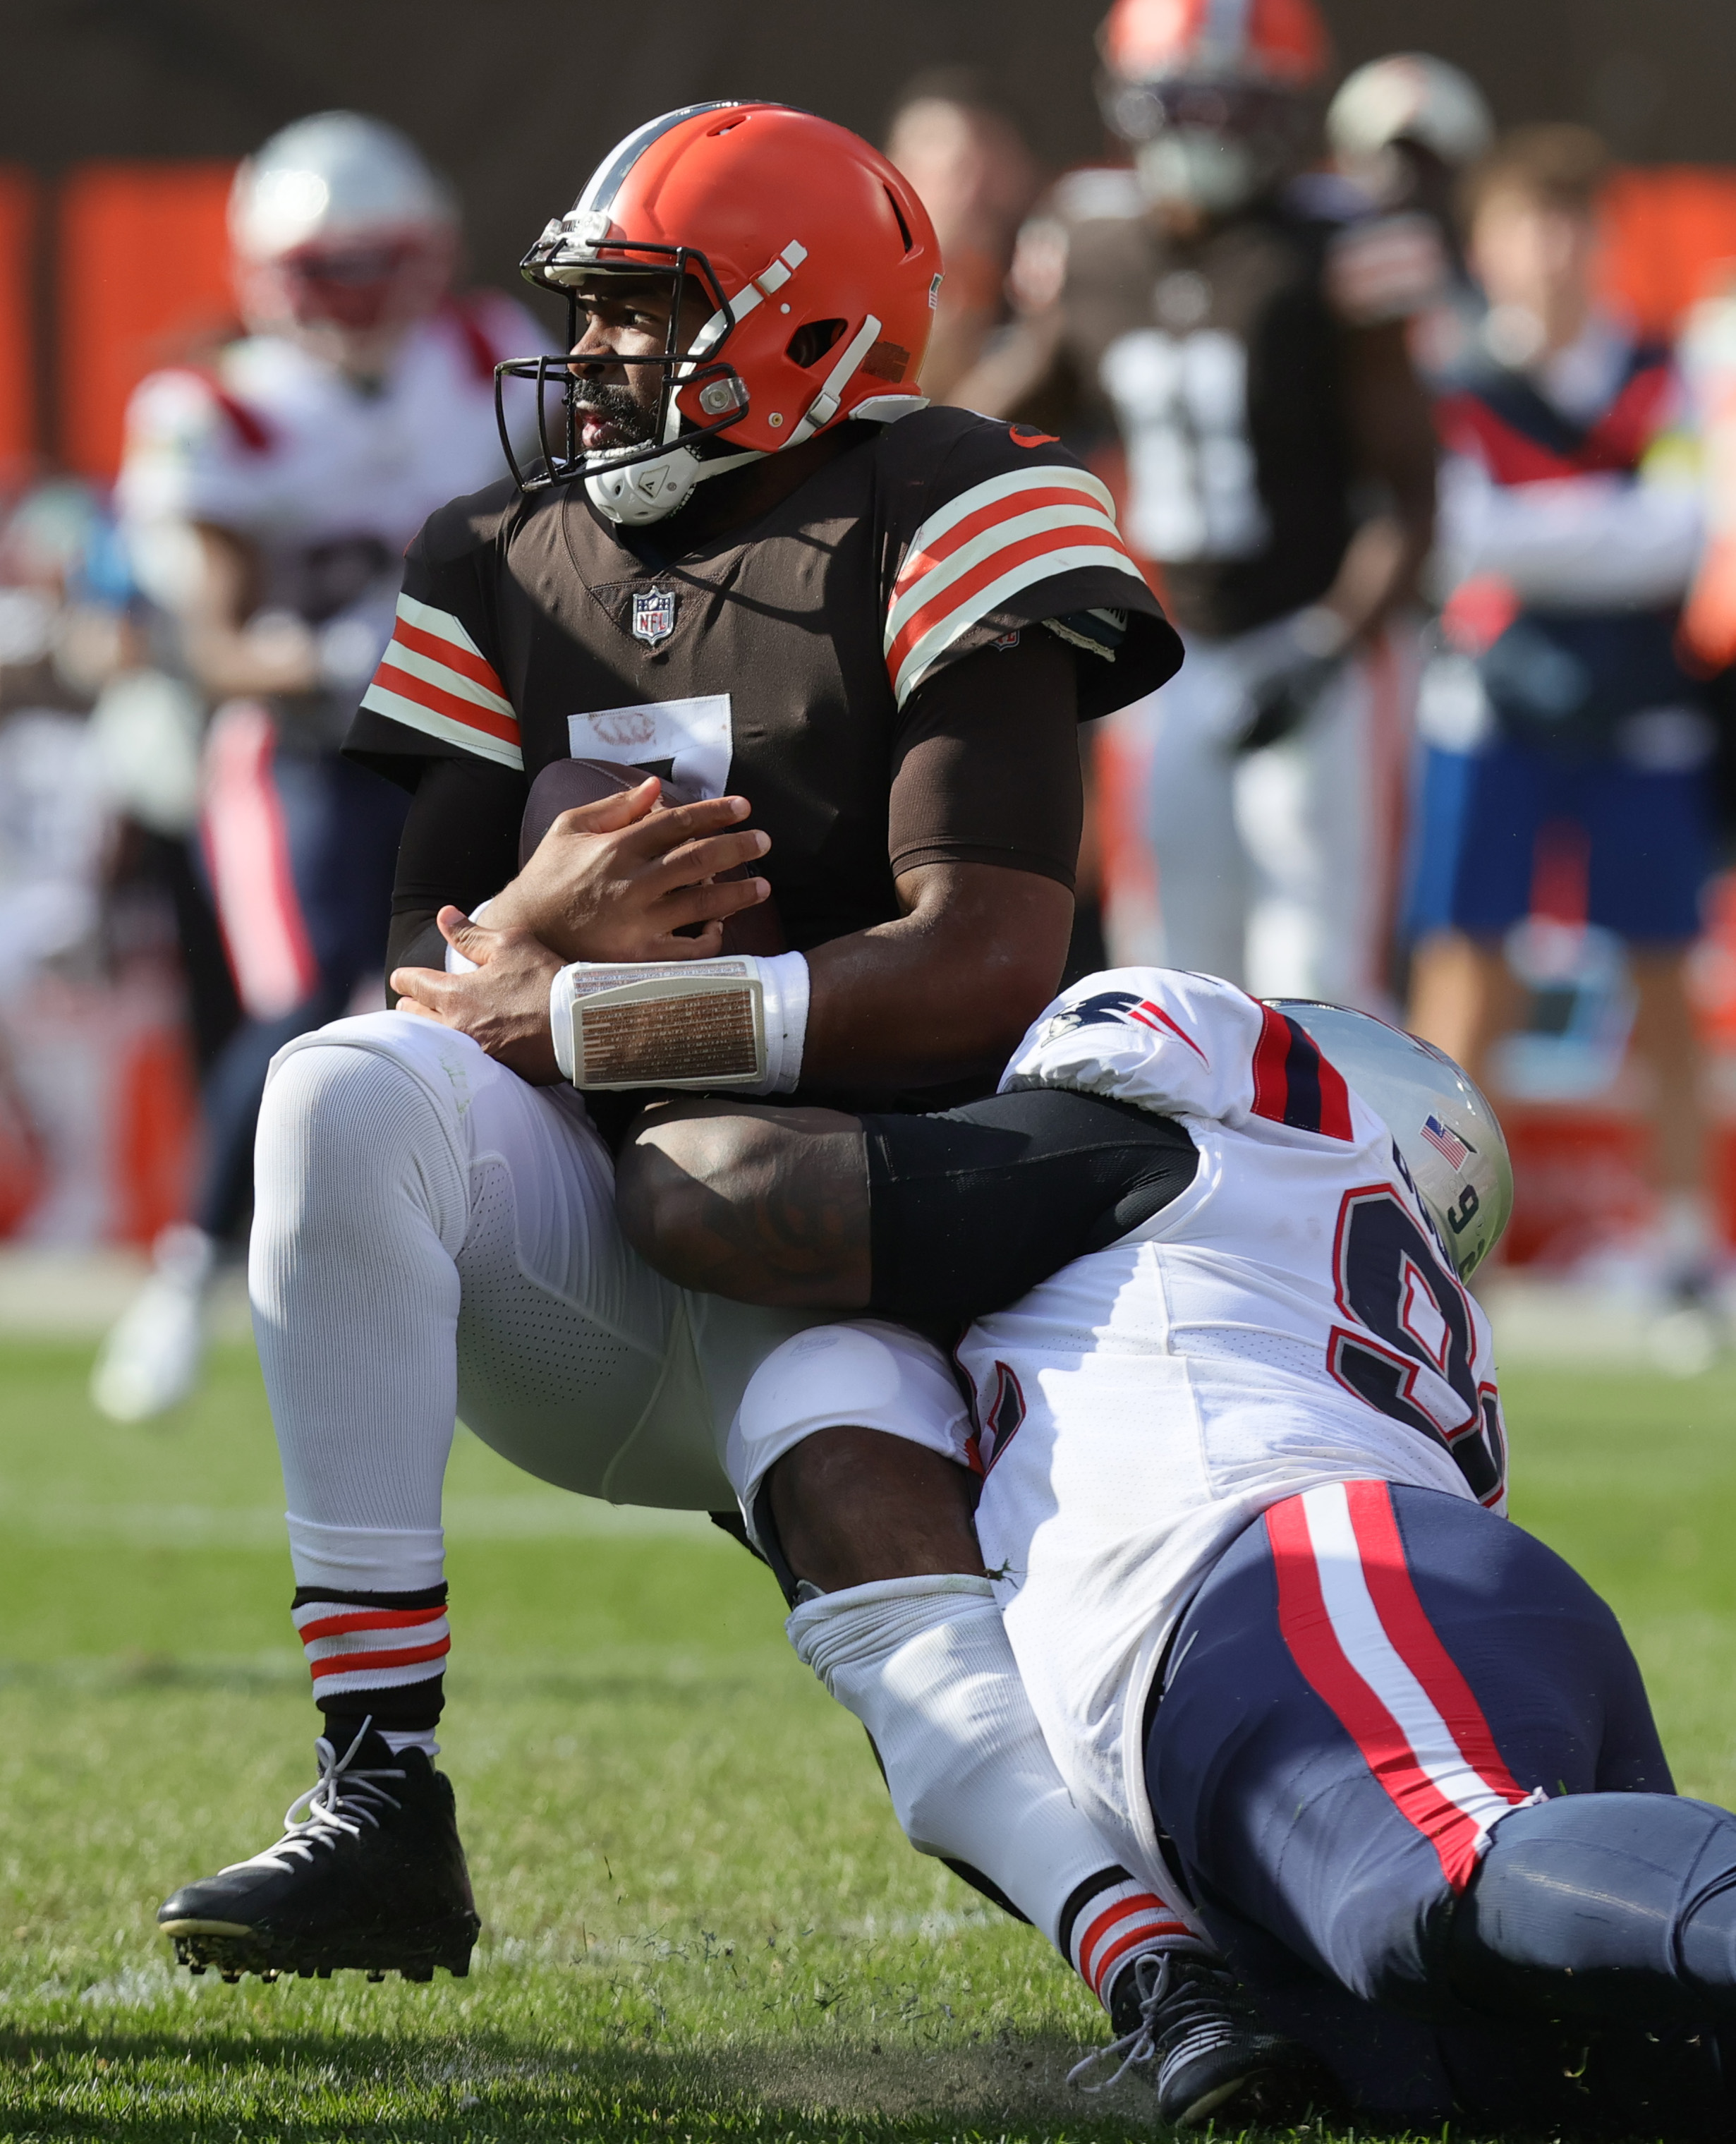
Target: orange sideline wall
pixel 1669 238
pixel 18 199
pixel 144 283
pixel 145 279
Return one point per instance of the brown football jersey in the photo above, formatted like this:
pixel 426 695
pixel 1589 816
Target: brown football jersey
pixel 782 661
pixel 1219 362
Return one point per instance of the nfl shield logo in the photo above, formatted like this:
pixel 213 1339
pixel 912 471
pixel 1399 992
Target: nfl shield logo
pixel 653 615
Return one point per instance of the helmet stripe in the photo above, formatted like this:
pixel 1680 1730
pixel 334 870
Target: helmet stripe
pixel 606 181
pixel 1225 41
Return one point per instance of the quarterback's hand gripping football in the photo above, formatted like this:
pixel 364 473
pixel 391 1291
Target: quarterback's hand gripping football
pixel 616 880
pixel 502 1003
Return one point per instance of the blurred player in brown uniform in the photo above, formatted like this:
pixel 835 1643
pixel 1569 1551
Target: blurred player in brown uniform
pixel 1245 343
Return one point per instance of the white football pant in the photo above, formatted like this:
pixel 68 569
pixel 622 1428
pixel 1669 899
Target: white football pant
pixel 1278 869
pixel 432 1239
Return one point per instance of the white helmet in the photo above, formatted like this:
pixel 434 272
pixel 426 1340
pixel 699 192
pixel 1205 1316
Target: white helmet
pixel 1409 96
pixel 1447 1136
pixel 342 237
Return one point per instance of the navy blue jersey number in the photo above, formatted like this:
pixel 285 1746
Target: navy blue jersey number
pixel 1410 1354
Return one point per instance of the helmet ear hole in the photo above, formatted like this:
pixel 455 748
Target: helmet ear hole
pixel 811 340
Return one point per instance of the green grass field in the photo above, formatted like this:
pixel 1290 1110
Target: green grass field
pixel 699 1921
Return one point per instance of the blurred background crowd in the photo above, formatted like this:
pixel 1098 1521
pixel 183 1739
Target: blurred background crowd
pixel 1413 373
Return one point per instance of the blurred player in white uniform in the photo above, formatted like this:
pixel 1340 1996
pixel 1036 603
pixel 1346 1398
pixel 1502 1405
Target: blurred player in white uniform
pixel 266 500
pixel 1242 339
pixel 1243 1483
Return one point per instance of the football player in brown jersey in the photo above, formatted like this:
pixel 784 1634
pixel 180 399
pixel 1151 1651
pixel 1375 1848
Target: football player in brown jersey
pixel 752 573
pixel 1224 329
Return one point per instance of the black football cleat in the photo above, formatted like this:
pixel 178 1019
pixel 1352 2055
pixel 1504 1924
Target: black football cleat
pixel 1183 2019
pixel 368 1877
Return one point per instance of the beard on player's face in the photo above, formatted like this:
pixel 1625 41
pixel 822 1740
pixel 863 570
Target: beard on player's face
pixel 616 416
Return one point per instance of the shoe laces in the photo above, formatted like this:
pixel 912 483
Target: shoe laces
pixel 1179 1990
pixel 340 1801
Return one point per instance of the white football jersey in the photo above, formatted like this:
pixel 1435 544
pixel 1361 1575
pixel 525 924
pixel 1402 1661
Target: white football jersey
pixel 329 480
pixel 1290 1320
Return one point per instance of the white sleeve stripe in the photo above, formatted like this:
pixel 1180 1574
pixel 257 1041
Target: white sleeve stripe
pixel 461 688
pixel 1432 1743
pixel 413 716
pixel 1049 566
pixel 1086 519
pixel 345 1681
pixel 1041 476
pixel 441 623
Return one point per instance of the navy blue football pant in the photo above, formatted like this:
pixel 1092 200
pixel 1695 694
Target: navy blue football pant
pixel 1372 1677
pixel 300 848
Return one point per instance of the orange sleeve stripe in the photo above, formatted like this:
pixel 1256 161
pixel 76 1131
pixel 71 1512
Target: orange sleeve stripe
pixel 391 679
pixel 957 596
pixel 476 668
pixel 1006 508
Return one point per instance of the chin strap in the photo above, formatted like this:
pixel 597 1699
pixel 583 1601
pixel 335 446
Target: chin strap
pixel 824 406
pixel 726 462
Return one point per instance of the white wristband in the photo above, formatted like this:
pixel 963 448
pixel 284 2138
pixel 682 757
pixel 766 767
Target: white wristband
pixel 786 978
pixel 738 1023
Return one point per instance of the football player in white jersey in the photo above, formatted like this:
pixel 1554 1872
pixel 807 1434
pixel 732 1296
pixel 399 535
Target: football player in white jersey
pixel 1242 1479
pixel 266 499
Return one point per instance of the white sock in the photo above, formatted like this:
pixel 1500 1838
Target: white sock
pixel 1688 1229
pixel 185 1255
pixel 366 1559
pixel 924 1664
pixel 411 1738
pixel 359 1209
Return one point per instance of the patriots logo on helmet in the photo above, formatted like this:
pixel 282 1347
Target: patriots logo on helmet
pixel 1107 1009
pixel 1114 1008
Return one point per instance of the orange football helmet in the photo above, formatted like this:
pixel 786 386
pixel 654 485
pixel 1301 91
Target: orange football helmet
pixel 820 267
pixel 1214 96
pixel 1282 43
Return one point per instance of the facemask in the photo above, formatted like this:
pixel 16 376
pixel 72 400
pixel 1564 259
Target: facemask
pixel 1196 167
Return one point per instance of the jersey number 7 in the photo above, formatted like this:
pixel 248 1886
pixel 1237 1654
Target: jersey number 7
pixel 1410 1353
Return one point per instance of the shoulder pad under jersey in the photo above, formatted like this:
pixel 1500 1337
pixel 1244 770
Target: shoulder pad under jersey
pixel 1182 1045
pixel 992 527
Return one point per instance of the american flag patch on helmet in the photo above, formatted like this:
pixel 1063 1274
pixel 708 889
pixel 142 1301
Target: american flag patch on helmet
pixel 1446 1142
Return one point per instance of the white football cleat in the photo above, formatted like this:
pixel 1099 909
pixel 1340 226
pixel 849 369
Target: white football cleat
pixel 152 1357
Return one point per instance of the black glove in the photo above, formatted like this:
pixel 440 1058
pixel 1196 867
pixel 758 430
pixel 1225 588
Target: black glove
pixel 1284 701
